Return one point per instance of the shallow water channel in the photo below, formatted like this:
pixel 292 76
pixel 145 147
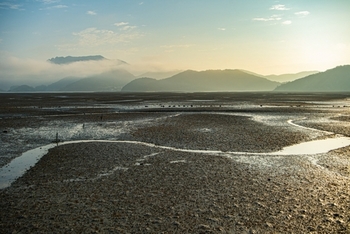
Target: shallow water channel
pixel 17 167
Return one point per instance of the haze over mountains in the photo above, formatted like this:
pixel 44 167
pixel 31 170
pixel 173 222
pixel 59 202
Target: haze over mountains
pixel 108 81
pixel 332 80
pixel 290 77
pixel 284 77
pixel 72 59
pixel 159 75
pixel 204 81
pixel 104 82
pixel 119 79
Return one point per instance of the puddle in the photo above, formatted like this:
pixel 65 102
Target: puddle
pixel 315 147
pixel 18 166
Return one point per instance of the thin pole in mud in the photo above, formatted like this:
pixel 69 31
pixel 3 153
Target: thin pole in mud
pixel 57 138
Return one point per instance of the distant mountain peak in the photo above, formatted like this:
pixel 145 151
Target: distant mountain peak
pixel 159 74
pixel 290 76
pixel 203 81
pixel 333 80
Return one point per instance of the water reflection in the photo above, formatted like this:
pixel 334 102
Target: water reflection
pixel 20 165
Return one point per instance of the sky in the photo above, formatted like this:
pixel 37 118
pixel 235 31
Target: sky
pixel 262 36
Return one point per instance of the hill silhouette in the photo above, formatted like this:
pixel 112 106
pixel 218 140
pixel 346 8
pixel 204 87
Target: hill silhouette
pixel 290 77
pixel 203 81
pixel 282 78
pixel 62 83
pixel 109 81
pixel 333 80
pixel 159 75
pixel 22 88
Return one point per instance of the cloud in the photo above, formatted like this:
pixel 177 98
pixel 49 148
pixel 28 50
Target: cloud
pixel 17 71
pixel 279 7
pixel 172 48
pixel 153 63
pixel 94 38
pixel 177 46
pixel 266 19
pixel 91 13
pixel 141 3
pixel 128 27
pixel 9 5
pixel 121 24
pixel 271 18
pixel 287 22
pixel 48 1
pixel 55 7
pixel 302 13
pixel 58 7
pixel 222 29
pixel 125 26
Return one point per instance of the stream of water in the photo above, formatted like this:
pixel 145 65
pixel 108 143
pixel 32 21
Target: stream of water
pixel 18 166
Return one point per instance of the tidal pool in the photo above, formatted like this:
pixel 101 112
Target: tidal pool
pixel 314 147
pixel 18 166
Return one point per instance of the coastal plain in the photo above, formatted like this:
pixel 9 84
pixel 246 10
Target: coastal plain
pixel 176 163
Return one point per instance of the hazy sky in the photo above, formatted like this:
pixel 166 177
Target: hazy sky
pixel 263 36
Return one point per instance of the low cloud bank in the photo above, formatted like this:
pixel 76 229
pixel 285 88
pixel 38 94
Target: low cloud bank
pixel 17 71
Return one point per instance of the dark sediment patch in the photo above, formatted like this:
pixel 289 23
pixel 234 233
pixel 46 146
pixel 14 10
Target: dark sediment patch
pixel 130 188
pixel 336 127
pixel 113 187
pixel 218 132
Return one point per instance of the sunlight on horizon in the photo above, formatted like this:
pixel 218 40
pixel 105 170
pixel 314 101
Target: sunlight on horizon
pixel 263 37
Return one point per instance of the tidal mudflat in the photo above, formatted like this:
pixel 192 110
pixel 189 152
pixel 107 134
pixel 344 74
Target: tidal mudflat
pixel 177 163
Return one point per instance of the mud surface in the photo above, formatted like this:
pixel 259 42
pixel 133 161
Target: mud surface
pixel 134 188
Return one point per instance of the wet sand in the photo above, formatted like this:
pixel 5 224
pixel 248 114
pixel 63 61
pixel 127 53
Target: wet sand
pixel 133 188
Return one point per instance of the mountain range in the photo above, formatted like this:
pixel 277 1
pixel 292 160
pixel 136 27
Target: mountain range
pixel 113 80
pixel 333 80
pixel 203 81
pixel 290 77
pixel 108 81
pixel 159 75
